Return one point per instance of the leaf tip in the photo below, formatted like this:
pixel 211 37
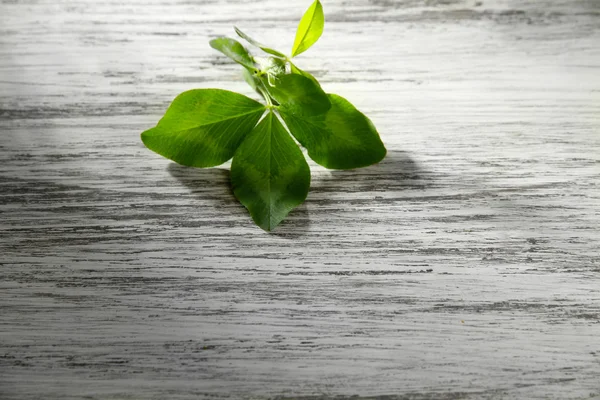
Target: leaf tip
pixel 144 136
pixel 213 43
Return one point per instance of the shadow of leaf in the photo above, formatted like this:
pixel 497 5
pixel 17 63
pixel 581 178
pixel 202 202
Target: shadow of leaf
pixel 206 183
pixel 214 184
pixel 395 172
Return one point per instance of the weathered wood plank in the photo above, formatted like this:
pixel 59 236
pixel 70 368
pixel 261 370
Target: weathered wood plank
pixel 465 265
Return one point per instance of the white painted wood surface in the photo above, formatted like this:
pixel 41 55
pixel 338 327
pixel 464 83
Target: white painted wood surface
pixel 466 265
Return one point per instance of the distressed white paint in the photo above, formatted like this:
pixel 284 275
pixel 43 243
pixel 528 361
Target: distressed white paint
pixel 465 265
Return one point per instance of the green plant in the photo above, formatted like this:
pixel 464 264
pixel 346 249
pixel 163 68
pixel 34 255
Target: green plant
pixel 269 174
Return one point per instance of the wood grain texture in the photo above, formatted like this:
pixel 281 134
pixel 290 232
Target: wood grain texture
pixel 466 265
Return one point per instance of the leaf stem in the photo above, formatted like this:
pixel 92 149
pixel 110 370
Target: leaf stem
pixel 267 97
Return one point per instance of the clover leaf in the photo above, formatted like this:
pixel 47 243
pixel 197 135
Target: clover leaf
pixel 310 28
pixel 257 44
pixel 234 50
pixel 203 127
pixel 299 94
pixel 269 174
pixel 341 138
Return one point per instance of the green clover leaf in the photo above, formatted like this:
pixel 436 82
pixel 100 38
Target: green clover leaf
pixel 269 174
pixel 299 94
pixel 257 44
pixel 203 127
pixel 341 138
pixel 310 28
pixel 234 50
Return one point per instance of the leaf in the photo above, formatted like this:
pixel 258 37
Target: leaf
pixel 300 94
pixel 310 28
pixel 234 50
pixel 342 138
pixel 203 127
pixel 253 81
pixel 257 44
pixel 269 174
pixel 298 71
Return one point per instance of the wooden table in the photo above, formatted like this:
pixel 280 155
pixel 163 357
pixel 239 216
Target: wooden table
pixel 466 265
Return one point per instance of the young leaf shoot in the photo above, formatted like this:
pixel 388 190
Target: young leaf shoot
pixel 310 28
pixel 269 174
